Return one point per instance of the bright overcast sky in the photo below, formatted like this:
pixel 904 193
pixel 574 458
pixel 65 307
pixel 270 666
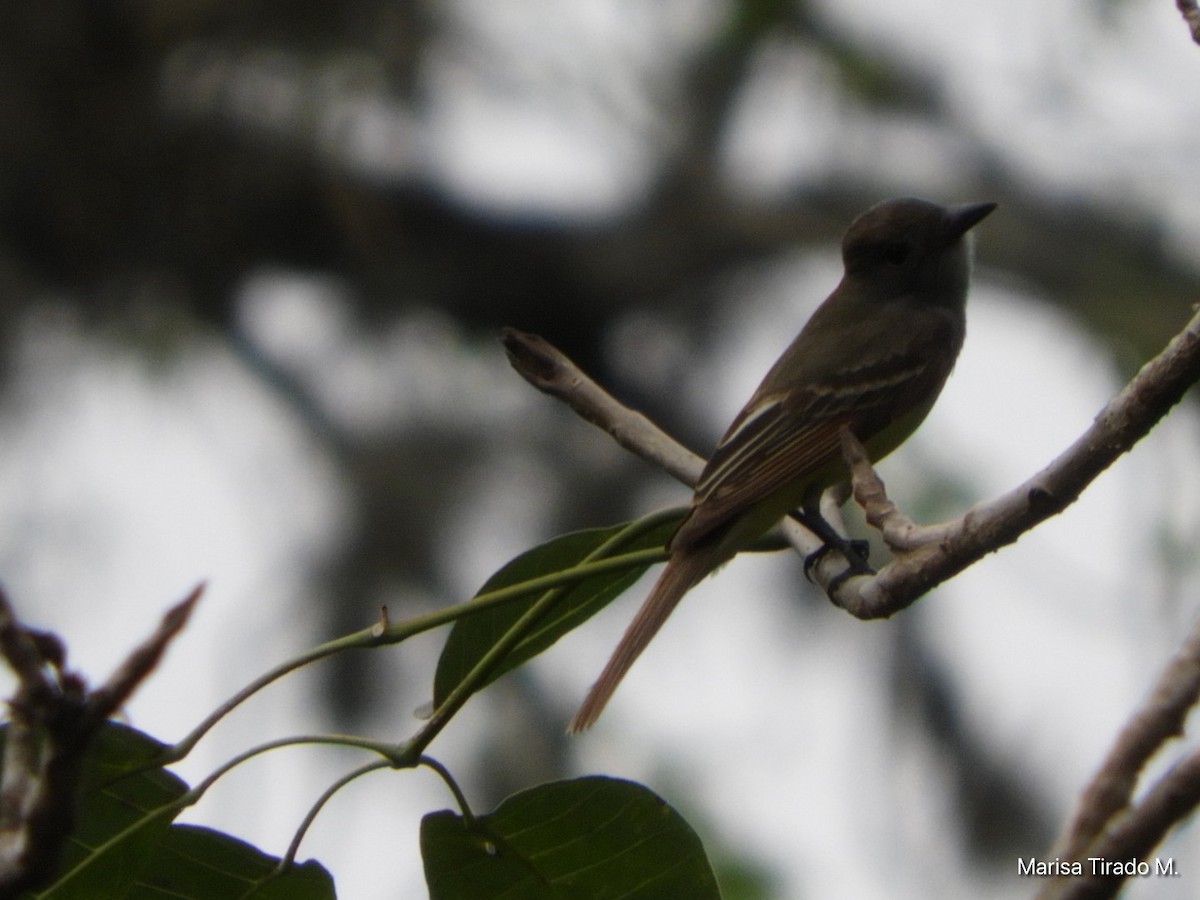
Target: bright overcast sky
pixel 129 483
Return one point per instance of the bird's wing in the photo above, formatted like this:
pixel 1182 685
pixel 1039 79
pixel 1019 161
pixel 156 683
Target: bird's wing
pixel 783 438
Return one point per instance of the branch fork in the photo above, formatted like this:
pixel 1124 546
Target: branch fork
pixel 925 555
pixel 1107 823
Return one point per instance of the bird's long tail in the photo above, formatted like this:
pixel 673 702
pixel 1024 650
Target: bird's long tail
pixel 684 569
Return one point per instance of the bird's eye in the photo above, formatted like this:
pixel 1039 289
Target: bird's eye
pixel 894 253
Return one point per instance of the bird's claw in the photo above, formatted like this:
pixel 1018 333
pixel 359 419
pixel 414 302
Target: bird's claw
pixel 855 552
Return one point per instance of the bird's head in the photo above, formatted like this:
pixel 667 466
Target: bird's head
pixel 911 247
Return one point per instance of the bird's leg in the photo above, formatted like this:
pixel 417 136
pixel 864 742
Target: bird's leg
pixel 856 552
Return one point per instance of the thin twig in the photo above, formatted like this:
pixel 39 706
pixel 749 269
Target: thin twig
pixel 52 721
pixel 1106 824
pixel 1130 837
pixel 549 370
pixel 141 661
pixel 1191 15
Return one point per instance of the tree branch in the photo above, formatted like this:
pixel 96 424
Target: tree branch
pixel 52 720
pixel 549 370
pixel 1191 15
pixel 925 556
pixel 1106 824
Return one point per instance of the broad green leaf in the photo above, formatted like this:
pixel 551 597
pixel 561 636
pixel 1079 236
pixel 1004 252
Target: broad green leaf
pixel 473 636
pixel 201 864
pixel 595 838
pixel 120 848
pixel 107 848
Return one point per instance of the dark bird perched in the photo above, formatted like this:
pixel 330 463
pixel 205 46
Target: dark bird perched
pixel 872 358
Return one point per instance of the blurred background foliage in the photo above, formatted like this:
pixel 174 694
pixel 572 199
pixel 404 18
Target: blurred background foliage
pixel 606 173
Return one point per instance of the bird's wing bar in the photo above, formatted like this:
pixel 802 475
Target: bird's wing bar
pixel 784 436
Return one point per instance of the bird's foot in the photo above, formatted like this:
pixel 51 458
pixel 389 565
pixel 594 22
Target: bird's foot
pixel 855 552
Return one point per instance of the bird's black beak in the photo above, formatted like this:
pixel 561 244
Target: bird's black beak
pixel 961 219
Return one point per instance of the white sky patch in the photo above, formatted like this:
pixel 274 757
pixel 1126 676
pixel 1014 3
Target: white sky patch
pixel 421 366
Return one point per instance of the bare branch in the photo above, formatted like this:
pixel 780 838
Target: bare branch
pixel 929 556
pixel 549 370
pixel 37 783
pixel 1160 718
pixel 51 724
pixel 1134 834
pixel 1105 824
pixel 899 532
pixel 1191 15
pixel 925 556
pixel 105 701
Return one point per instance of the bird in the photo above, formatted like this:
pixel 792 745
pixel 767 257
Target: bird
pixel 873 358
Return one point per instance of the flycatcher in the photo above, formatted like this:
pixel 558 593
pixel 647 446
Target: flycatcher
pixel 873 358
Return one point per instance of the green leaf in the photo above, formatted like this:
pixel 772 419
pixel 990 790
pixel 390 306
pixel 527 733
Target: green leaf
pixel 201 864
pixel 107 848
pixel 124 845
pixel 473 636
pixel 595 838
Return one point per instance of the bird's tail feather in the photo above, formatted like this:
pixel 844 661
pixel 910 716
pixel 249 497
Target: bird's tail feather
pixel 683 571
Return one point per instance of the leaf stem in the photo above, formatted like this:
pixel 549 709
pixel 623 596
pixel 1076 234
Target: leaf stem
pixel 459 797
pixel 294 847
pixel 382 633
